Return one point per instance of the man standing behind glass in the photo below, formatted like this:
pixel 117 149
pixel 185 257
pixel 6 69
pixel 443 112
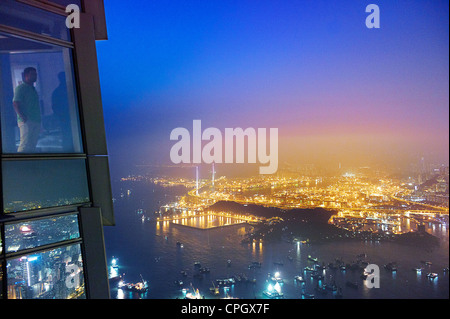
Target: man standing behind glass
pixel 26 105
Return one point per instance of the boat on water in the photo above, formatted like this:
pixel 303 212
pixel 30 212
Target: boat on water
pixel 197 264
pixel 308 269
pixel 229 297
pixel 299 279
pixel 240 278
pixel 114 275
pixel 365 275
pixel 254 264
pixel 391 267
pixel 277 279
pixel 307 296
pixel 227 282
pixel 432 275
pixel 193 295
pixel 204 270
pixel 179 244
pixel 214 290
pixel 273 294
pixel 418 270
pixel 138 287
pixel 114 278
pixel 320 267
pixel 314 259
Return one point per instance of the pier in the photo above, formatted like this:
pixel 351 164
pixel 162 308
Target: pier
pixel 208 220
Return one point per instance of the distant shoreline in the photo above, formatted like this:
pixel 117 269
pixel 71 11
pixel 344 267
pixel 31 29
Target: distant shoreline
pixel 311 225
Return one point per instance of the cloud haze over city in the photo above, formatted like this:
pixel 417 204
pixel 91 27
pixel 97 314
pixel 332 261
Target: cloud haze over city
pixel 337 91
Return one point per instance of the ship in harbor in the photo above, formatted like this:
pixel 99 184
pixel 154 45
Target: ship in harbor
pixel 138 287
pixel 114 271
pixel 313 259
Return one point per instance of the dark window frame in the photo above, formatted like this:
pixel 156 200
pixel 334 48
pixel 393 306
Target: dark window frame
pixel 8 218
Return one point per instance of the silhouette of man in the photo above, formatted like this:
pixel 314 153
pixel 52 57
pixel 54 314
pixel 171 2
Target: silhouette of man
pixel 26 105
pixel 60 107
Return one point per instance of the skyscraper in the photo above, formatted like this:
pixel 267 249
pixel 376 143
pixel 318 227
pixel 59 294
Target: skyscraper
pixel 196 180
pixel 213 175
pixel 51 102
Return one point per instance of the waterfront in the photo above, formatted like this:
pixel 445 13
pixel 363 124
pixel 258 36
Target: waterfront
pixel 145 247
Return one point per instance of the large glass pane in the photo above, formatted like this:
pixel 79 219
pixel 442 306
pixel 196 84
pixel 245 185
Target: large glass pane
pixel 52 274
pixel 29 18
pixel 44 183
pixel 39 232
pixel 38 98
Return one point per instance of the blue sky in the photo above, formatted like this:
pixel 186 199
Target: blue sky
pixel 310 68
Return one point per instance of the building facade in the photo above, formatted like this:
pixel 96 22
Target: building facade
pixel 55 181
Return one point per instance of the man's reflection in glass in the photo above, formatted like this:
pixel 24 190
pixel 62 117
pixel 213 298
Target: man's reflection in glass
pixel 60 106
pixel 26 105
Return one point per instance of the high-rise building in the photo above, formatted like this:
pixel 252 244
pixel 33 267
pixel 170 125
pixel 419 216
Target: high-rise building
pixel 213 175
pixel 55 181
pixel 196 180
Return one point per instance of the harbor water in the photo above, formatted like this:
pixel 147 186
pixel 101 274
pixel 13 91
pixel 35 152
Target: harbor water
pixel 175 259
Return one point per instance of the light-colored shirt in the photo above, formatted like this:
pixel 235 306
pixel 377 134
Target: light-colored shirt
pixel 28 100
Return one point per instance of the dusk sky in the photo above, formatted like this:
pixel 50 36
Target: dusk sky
pixel 336 90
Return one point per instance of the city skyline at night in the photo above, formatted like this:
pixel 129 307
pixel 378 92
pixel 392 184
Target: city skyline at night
pixel 226 149
pixel 362 148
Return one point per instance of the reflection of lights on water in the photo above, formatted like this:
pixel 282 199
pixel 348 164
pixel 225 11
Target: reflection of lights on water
pixel 277 287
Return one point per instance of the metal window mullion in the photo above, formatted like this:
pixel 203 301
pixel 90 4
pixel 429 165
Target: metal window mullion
pixel 27 218
pixel 35 36
pixel 43 212
pixel 4 285
pixel 43 248
pixel 46 5
pixel 41 156
pixel 83 256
